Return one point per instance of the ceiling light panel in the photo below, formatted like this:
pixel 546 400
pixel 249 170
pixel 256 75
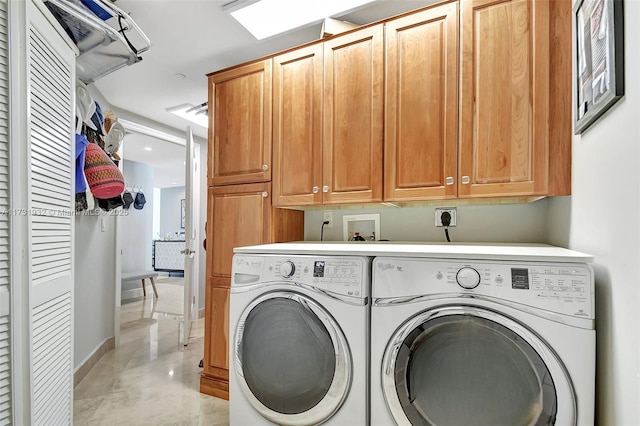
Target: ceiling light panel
pixel 270 17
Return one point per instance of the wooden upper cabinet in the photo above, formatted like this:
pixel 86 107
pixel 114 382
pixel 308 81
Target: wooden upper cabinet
pixel 505 98
pixel 421 123
pixel 353 117
pixel 297 127
pixel 240 124
pixel 238 215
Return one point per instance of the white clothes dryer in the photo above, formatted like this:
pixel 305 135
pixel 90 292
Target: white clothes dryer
pixel 483 342
pixel 299 328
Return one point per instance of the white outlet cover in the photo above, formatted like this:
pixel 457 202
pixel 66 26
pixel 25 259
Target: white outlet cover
pixel 328 215
pixel 452 211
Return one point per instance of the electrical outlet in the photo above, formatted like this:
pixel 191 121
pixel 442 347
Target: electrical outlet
pixel 441 210
pixel 328 216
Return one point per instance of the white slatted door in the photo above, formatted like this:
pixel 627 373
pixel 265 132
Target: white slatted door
pixel 51 82
pixel 5 319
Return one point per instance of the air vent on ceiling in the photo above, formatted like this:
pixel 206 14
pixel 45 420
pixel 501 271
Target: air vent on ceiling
pixel 197 114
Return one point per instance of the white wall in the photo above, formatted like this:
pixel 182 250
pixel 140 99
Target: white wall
pixel 170 211
pixel 137 225
pixel 517 223
pixel 94 283
pixel 602 217
pixel 157 198
pixel 92 327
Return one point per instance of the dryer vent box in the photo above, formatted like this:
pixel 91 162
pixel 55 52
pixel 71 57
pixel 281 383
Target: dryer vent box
pixel 366 226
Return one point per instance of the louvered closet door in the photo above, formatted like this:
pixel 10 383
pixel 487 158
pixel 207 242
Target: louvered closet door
pixel 51 80
pixel 5 319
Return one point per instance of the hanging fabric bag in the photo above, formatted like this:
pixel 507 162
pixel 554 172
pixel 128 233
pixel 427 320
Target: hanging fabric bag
pixel 104 178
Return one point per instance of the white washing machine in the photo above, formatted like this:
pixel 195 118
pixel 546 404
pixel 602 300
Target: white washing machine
pixel 299 340
pixel 508 340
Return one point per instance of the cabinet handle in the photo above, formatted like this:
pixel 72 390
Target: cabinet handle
pixel 265 194
pixel 465 180
pixel 449 180
pixel 315 189
pixel 325 188
pixel 265 167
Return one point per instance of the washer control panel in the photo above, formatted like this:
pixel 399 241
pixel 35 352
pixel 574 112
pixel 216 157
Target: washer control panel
pixel 563 288
pixel 344 275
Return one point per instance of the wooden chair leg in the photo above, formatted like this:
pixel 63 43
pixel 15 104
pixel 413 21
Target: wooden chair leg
pixel 153 284
pixel 144 290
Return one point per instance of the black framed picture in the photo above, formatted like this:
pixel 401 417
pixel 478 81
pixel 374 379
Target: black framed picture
pixel 599 52
pixel 182 214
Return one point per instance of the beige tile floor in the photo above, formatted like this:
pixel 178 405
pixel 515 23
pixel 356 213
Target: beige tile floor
pixel 150 379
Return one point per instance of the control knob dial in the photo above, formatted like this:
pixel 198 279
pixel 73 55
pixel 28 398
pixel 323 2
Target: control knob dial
pixel 287 269
pixel 468 278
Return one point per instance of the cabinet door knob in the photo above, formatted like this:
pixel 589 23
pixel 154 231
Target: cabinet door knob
pixel 465 180
pixel 449 180
pixel 315 189
pixel 265 167
pixel 325 188
pixel 265 194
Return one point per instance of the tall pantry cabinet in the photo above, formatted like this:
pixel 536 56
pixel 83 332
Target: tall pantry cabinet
pixel 240 211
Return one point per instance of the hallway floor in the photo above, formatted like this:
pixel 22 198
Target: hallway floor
pixel 150 379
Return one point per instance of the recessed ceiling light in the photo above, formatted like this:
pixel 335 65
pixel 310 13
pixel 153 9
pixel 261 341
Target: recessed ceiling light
pixel 180 75
pixel 148 148
pixel 266 18
pixel 174 183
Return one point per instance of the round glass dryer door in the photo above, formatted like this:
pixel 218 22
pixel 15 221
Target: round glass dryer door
pixel 469 366
pixel 292 359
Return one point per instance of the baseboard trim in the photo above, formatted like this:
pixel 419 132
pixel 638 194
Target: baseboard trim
pixel 214 387
pixel 86 366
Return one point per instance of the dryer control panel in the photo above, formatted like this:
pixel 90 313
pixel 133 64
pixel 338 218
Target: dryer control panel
pixel 340 275
pixel 560 288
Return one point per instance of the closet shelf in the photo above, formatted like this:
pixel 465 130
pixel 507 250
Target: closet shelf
pixel 107 38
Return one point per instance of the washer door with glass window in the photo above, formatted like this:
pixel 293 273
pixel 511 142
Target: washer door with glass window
pixel 463 365
pixel 292 359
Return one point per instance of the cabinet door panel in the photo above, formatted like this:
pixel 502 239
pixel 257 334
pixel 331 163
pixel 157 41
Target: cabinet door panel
pixel 505 83
pixel 217 332
pixel 353 114
pixel 297 128
pixel 239 215
pixel 240 130
pixel 421 105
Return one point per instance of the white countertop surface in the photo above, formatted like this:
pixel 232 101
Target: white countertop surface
pixel 479 251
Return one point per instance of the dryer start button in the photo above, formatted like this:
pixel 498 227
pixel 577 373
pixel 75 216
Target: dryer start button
pixel 468 278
